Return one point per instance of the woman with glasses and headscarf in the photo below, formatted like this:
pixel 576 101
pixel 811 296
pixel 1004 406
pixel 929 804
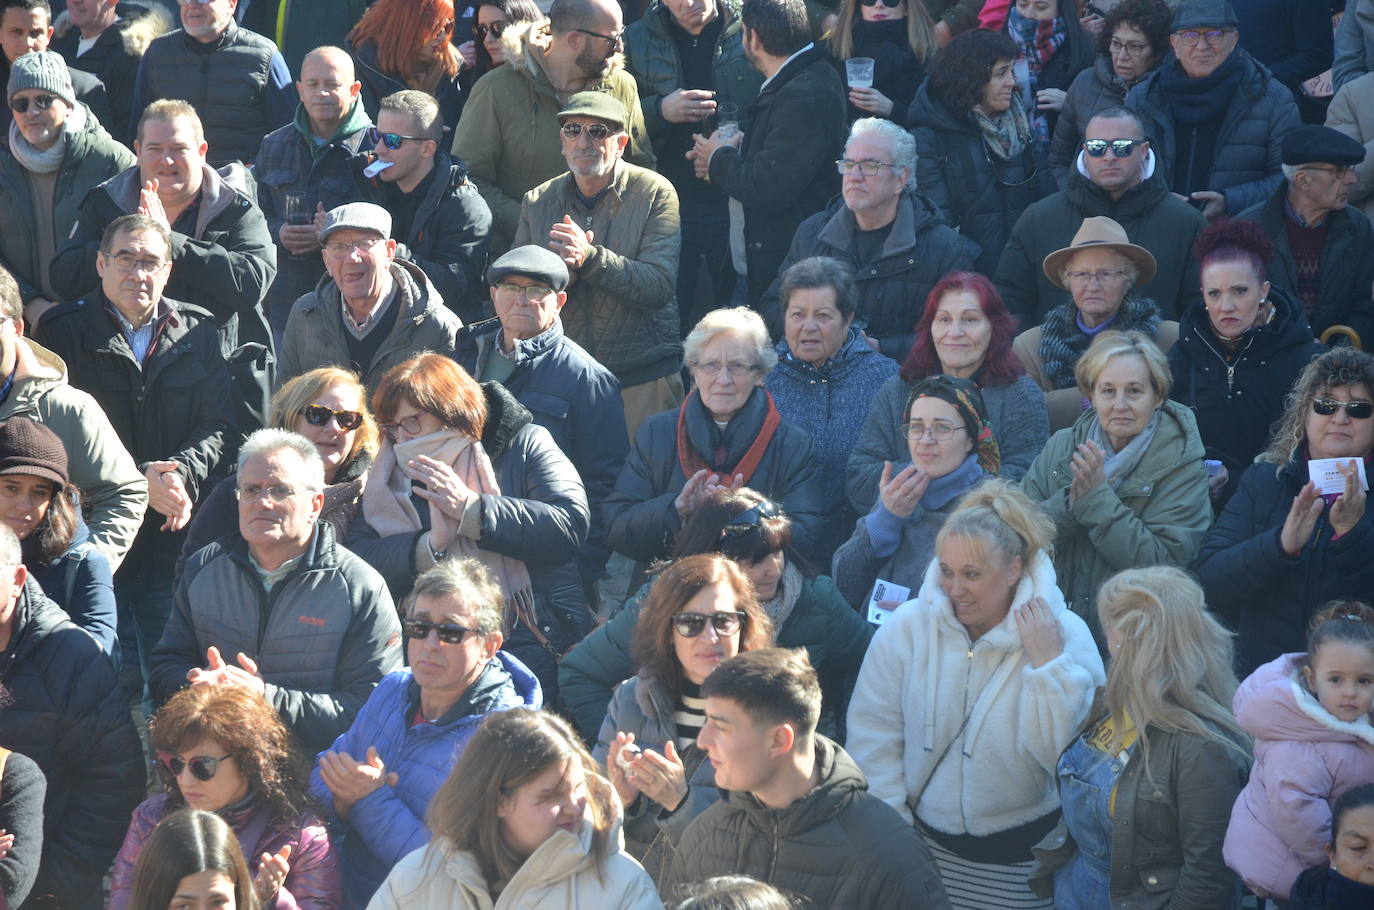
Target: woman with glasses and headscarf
pixel 805 609
pixel 1284 545
pixel 701 610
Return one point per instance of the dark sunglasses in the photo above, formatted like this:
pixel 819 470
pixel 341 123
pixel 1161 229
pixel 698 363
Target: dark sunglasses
pixel 449 633
pixel 495 30
pixel 597 131
pixel 40 103
pixel 203 767
pixel 1121 148
pixel 750 519
pixel 393 140
pixel 317 415
pixel 1357 410
pixel 890 4
pixel 690 625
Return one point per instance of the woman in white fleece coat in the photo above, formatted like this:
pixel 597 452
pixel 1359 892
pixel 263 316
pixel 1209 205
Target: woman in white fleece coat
pixel 969 693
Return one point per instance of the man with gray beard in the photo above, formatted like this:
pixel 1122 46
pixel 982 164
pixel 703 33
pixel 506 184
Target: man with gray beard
pixel 615 225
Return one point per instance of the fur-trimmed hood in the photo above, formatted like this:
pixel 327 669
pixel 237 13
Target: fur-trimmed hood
pixel 526 43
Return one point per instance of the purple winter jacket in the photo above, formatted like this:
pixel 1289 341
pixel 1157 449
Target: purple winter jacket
pixel 1304 759
pixel 311 884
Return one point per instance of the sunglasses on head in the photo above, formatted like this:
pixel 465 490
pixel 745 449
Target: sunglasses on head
pixel 203 767
pixel 690 625
pixel 449 633
pixel 1358 410
pixel 750 519
pixel 317 415
pixel 40 103
pixel 597 131
pixel 393 140
pixel 1121 148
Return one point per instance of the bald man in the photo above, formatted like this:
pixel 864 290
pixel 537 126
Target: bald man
pixel 302 169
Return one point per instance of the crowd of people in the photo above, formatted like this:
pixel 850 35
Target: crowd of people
pixel 697 454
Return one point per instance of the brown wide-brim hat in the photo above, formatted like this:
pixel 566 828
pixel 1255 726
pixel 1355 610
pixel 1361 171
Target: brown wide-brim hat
pixel 1101 232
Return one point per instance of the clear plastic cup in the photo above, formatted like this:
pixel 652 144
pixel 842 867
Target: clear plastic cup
pixel 859 72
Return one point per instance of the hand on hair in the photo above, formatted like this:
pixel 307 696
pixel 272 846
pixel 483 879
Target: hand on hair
pixel 901 494
pixel 271 874
pixel 870 100
pixel 1302 520
pixel 1089 470
pixel 1349 506
pixel 1042 637
pixel 349 780
pixel 689 498
pixel 662 778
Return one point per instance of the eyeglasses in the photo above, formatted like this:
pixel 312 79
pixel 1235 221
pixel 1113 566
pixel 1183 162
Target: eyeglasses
pixel 317 415
pixel 939 431
pixel 495 30
pixel 1129 48
pixel 203 767
pixel 1357 410
pixel 410 424
pixel 344 248
pixel 613 39
pixel 277 492
pixel 127 262
pixel 40 103
pixel 597 131
pixel 1101 276
pixel 690 625
pixel 735 369
pixel 1339 170
pixel 450 633
pixel 393 140
pixel 1121 148
pixel 1213 36
pixel 750 519
pixel 867 167
pixel 531 292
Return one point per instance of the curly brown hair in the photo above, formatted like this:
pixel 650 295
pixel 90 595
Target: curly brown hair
pixel 652 646
pixel 1152 18
pixel 248 728
pixel 961 69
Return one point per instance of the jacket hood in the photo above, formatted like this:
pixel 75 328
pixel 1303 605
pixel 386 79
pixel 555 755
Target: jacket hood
pixel 1288 328
pixel 356 119
pixel 524 45
pixel 1039 580
pixel 230 185
pixel 38 371
pixel 506 416
pixel 1137 202
pixel 142 24
pixel 931 111
pixel 1273 704
pixel 915 215
pixel 840 780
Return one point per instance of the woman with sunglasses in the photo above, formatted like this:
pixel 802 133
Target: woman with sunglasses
pixel 493 18
pixel 192 861
pixel 328 406
pixel 406 44
pixel 805 609
pixel 223 749
pixel 1133 41
pixel 700 611
pixel 1283 546
pixel 977 154
pixel 417 722
pixel 899 36
pixel 465 472
pixel 1239 352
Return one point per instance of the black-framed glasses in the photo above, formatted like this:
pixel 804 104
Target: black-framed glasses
pixel 203 767
pixel 1129 48
pixel 597 131
pixel 410 424
pixel 690 625
pixel 614 40
pixel 393 140
pixel 868 167
pixel 750 519
pixel 495 29
pixel 450 633
pixel 40 103
pixel 1213 36
pixel 1356 410
pixel 317 415
pixel 1121 148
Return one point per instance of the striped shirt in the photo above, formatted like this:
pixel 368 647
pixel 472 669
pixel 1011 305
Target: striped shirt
pixel 690 715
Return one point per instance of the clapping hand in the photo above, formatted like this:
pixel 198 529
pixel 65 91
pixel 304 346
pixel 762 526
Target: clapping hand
pixel 700 485
pixel 572 244
pixel 271 875
pixel 6 842
pixel 1302 519
pixel 1349 506
pixel 149 204
pixel 1089 470
pixel 217 672
pixel 349 780
pixel 901 494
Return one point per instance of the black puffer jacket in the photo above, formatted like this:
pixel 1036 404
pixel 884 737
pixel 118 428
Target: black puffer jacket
pixel 980 195
pixel 1247 154
pixel 1237 398
pixel 1265 595
pixel 64 711
pixel 1310 891
pixel 1153 218
pixel 842 847
pixel 540 518
pixel 1347 265
pixel 891 290
pixel 640 517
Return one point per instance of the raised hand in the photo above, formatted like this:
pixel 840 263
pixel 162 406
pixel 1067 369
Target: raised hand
pixel 1302 520
pixel 662 778
pixel 1089 469
pixel 1041 635
pixel 1349 506
pixel 349 780
pixel 271 875
pixel 901 494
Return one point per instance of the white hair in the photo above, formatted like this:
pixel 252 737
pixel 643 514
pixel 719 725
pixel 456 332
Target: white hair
pixel 739 321
pixel 274 439
pixel 901 143
pixel 11 552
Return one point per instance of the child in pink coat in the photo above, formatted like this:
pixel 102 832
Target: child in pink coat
pixel 1310 717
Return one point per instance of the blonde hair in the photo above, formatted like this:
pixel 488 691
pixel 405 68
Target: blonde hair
pixel 920 30
pixel 291 400
pixel 996 512
pixel 740 321
pixel 1173 671
pixel 1115 344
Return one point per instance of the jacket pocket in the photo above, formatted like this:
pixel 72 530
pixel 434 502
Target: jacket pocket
pixel 550 412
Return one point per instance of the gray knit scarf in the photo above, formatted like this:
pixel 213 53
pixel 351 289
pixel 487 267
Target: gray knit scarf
pixel 45 162
pixel 789 589
pixel 1062 342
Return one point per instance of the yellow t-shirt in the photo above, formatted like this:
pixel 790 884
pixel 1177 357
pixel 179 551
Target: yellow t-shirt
pixel 1113 737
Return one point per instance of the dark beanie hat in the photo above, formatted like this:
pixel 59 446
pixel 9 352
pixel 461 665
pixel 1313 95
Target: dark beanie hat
pixel 27 447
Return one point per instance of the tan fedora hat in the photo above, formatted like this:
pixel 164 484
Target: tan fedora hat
pixel 1098 232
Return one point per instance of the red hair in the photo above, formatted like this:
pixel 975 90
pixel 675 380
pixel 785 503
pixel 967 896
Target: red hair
pixel 433 383
pixel 401 28
pixel 1000 366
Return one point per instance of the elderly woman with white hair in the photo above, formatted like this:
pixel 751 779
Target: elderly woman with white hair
pixel 727 433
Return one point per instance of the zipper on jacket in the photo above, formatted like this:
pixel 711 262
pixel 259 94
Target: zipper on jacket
pixel 773 862
pixel 1230 367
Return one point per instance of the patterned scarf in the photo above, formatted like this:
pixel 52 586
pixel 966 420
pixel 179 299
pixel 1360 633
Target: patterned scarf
pixel 1037 39
pixel 1062 342
pixel 1007 134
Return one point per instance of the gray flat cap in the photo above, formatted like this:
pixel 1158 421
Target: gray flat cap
pixel 536 262
pixel 1204 14
pixel 357 216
